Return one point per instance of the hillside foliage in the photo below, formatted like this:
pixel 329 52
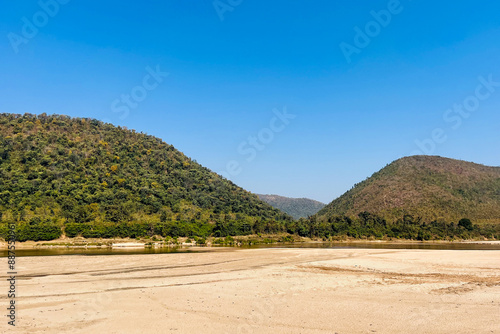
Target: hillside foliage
pixel 428 187
pixel 85 175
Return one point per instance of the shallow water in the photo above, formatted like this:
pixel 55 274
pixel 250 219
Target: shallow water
pixel 96 251
pixel 173 250
pixel 386 245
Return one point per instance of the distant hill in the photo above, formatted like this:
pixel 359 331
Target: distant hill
pixel 295 207
pixel 429 187
pixel 93 178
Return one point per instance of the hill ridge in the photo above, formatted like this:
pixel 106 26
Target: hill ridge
pixel 64 170
pixel 295 207
pixel 431 187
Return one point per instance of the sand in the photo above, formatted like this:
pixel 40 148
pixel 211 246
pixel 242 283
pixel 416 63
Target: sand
pixel 260 291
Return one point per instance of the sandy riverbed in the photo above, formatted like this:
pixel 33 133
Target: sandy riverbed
pixel 260 291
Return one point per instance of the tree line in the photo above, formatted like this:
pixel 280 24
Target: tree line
pixel 364 226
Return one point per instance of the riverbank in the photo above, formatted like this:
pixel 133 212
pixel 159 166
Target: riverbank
pixel 261 291
pixel 80 242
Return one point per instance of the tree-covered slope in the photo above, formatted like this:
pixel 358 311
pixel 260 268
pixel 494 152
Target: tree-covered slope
pixel 82 171
pixel 295 207
pixel 429 187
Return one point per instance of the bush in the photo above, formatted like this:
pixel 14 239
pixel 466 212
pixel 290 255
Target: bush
pixel 466 223
pixel 35 230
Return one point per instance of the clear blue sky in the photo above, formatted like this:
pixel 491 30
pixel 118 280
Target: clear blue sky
pixel 227 76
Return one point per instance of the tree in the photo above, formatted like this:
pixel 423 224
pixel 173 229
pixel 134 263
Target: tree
pixel 466 224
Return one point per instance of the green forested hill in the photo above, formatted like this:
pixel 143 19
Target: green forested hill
pixel 429 187
pixel 94 178
pixel 295 207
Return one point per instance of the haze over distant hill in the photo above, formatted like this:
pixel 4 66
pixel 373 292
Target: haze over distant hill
pixel 430 187
pixel 295 207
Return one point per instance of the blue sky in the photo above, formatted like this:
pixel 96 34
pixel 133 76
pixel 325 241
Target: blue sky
pixel 228 78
